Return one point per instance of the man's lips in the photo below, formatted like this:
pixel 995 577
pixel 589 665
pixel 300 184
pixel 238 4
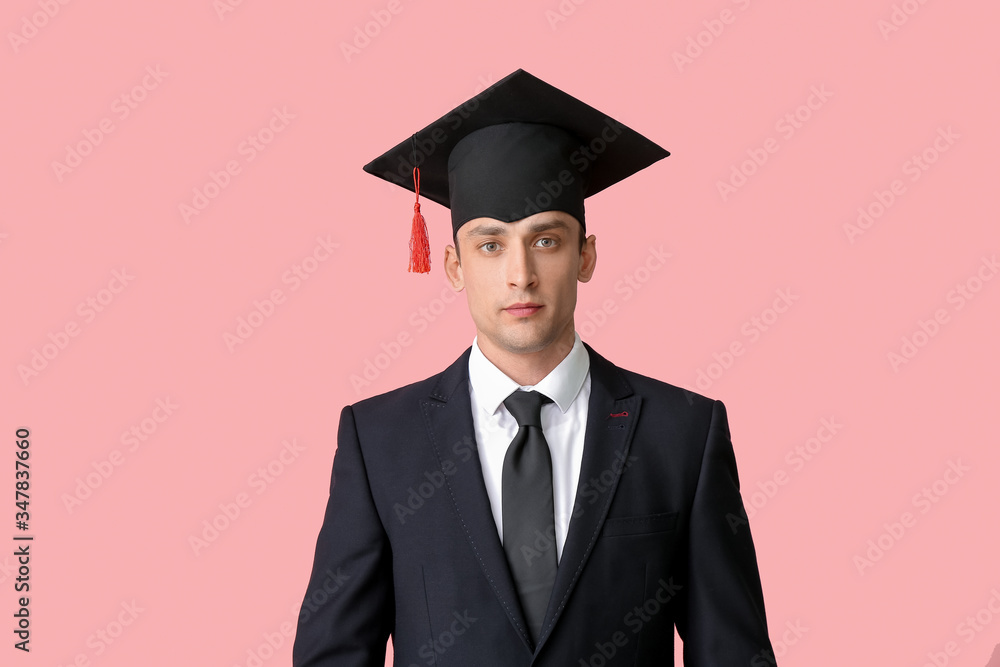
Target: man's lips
pixel 523 309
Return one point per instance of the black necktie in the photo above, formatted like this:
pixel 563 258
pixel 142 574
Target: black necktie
pixel 529 531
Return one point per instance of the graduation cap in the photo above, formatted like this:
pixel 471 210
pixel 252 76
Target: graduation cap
pixel 517 148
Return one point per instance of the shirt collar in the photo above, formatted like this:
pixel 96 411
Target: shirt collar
pixel 562 384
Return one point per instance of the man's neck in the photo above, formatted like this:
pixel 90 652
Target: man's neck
pixel 530 368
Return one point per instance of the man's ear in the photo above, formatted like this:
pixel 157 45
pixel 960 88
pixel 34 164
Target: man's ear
pixel 453 269
pixel 588 259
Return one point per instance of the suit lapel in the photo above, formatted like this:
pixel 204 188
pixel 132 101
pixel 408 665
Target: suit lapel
pixel 448 416
pixel 605 451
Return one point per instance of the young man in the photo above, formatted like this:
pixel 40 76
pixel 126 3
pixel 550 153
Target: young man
pixel 532 504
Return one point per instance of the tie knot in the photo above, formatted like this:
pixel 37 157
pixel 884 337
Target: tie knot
pixel 526 406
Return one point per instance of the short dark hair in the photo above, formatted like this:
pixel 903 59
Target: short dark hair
pixel 454 238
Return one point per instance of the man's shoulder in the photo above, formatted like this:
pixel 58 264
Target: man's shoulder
pixel 651 387
pixel 668 408
pixel 419 388
pixel 439 384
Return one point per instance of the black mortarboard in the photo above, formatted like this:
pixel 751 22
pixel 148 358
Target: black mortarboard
pixel 517 148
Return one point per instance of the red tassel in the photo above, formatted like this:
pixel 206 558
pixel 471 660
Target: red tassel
pixel 420 247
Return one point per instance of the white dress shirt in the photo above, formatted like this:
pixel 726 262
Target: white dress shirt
pixel 564 423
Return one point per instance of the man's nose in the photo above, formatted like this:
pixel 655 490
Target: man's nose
pixel 520 267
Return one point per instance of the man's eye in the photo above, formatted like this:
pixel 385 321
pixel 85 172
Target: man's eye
pixel 489 247
pixel 547 242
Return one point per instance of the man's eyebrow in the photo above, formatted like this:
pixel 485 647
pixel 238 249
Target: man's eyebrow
pixel 488 229
pixel 546 225
pixel 492 229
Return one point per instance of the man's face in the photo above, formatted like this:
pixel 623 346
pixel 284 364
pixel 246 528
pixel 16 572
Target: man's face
pixel 521 278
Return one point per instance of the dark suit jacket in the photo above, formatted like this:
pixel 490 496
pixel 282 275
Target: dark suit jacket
pixel 659 537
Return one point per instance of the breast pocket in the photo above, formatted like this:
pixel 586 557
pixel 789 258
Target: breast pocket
pixel 640 525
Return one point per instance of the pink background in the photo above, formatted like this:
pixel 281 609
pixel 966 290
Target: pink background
pixel 887 96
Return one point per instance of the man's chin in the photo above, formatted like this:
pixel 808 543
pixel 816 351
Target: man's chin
pixel 532 343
